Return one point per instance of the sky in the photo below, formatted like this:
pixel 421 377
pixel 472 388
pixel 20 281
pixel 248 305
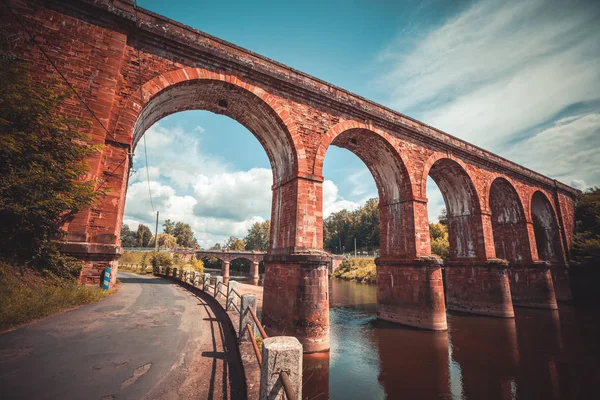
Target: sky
pixel 521 79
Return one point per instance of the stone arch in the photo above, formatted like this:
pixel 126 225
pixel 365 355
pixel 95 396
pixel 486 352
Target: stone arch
pixel 509 225
pixel 199 89
pixel 462 205
pixel 545 227
pixel 375 149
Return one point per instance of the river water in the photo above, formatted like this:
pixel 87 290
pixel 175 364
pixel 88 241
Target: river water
pixel 540 354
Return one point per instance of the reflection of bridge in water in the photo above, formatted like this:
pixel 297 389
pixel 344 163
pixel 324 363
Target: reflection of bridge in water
pixel 227 256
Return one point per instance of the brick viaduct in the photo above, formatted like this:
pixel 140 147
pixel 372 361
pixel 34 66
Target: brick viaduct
pixel 227 256
pixel 133 67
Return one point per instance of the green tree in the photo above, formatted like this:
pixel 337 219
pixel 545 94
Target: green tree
pixel 234 243
pixel 184 234
pixel 167 240
pixel 169 227
pixel 438 233
pixel 161 259
pixel 144 236
pixel 258 236
pixel 128 237
pixel 443 217
pixel 586 239
pixel 216 246
pixel 42 163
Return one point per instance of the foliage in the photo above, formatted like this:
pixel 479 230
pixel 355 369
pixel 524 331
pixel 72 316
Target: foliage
pixel 161 259
pixel 586 239
pixel 128 237
pixel 185 235
pixel 359 269
pixel 167 240
pixel 443 217
pixel 216 246
pixel 195 265
pixel 144 236
pixel 341 228
pixel 258 236
pixel 234 243
pixel 42 163
pixel 440 246
pixel 169 227
pixel 133 257
pixel 28 296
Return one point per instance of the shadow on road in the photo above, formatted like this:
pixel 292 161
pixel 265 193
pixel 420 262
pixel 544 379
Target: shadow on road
pixel 149 280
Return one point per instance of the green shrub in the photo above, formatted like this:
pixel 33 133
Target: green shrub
pixel 358 269
pixel 161 259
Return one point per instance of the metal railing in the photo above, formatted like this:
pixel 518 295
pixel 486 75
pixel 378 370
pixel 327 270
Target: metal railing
pixel 229 294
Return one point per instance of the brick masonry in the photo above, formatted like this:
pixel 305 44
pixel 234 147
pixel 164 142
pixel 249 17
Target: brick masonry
pixel 133 67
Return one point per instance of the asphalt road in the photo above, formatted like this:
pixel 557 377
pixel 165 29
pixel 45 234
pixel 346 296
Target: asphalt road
pixel 151 340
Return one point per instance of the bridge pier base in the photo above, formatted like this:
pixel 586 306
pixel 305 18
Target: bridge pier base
pixel 411 292
pixel 254 270
pixel 560 279
pixel 479 288
pixel 296 299
pixel 532 286
pixel 95 258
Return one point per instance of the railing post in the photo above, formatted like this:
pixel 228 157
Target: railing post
pixel 180 274
pixel 206 282
pixel 218 282
pixel 174 272
pixel 248 300
pixel 196 278
pixel 230 294
pixel 280 354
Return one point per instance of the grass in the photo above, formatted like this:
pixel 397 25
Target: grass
pixel 357 269
pixel 135 269
pixel 27 295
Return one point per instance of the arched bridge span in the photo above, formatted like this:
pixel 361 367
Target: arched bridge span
pixel 132 67
pixel 227 256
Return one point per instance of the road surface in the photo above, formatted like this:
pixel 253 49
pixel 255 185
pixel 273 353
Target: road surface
pixel 151 340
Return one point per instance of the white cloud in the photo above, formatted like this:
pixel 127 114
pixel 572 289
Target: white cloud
pixel 333 202
pixel 497 70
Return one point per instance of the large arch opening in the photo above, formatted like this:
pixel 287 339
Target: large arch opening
pixel 461 204
pixel 247 112
pixel 545 228
pixel 511 239
pixel 393 187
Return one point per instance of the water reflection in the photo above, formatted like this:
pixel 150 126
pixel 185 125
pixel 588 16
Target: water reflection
pixel 540 354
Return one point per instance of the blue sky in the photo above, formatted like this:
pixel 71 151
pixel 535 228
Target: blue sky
pixel 521 79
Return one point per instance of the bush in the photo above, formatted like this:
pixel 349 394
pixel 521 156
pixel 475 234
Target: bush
pixel 358 269
pixel 161 259
pixel 28 296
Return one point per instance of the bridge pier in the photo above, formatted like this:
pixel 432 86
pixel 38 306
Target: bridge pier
pixel 532 286
pixel 560 280
pixel 479 288
pixel 411 292
pixel 225 269
pixel 296 299
pixel 254 270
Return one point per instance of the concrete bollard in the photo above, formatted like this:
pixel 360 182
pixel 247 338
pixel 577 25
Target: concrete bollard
pixel 205 282
pixel 196 278
pixel 218 282
pixel 230 294
pixel 280 353
pixel 180 274
pixel 174 272
pixel 248 300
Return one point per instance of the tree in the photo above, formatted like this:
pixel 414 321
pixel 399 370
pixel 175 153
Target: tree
pixel 184 234
pixel 258 236
pixel 341 228
pixel 234 243
pixel 167 240
pixel 128 237
pixel 438 233
pixel 443 217
pixel 169 227
pixel 161 259
pixel 216 246
pixel 144 236
pixel 586 239
pixel 42 165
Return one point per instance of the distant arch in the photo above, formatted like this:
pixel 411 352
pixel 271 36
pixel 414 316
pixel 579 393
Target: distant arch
pixel 509 225
pixel 545 227
pixel 462 204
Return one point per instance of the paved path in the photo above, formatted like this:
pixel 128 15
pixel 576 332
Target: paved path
pixel 152 339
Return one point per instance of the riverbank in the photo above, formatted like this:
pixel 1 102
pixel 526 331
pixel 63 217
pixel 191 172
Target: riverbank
pixel 361 270
pixel 26 296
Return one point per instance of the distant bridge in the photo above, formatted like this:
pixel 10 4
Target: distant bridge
pixel 227 256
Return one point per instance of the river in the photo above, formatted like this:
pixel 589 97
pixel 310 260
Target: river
pixel 540 354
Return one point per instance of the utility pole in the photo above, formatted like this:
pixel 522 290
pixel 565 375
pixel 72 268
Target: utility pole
pixel 156 234
pixel 355 247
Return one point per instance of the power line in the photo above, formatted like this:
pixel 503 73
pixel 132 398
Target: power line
pixel 56 69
